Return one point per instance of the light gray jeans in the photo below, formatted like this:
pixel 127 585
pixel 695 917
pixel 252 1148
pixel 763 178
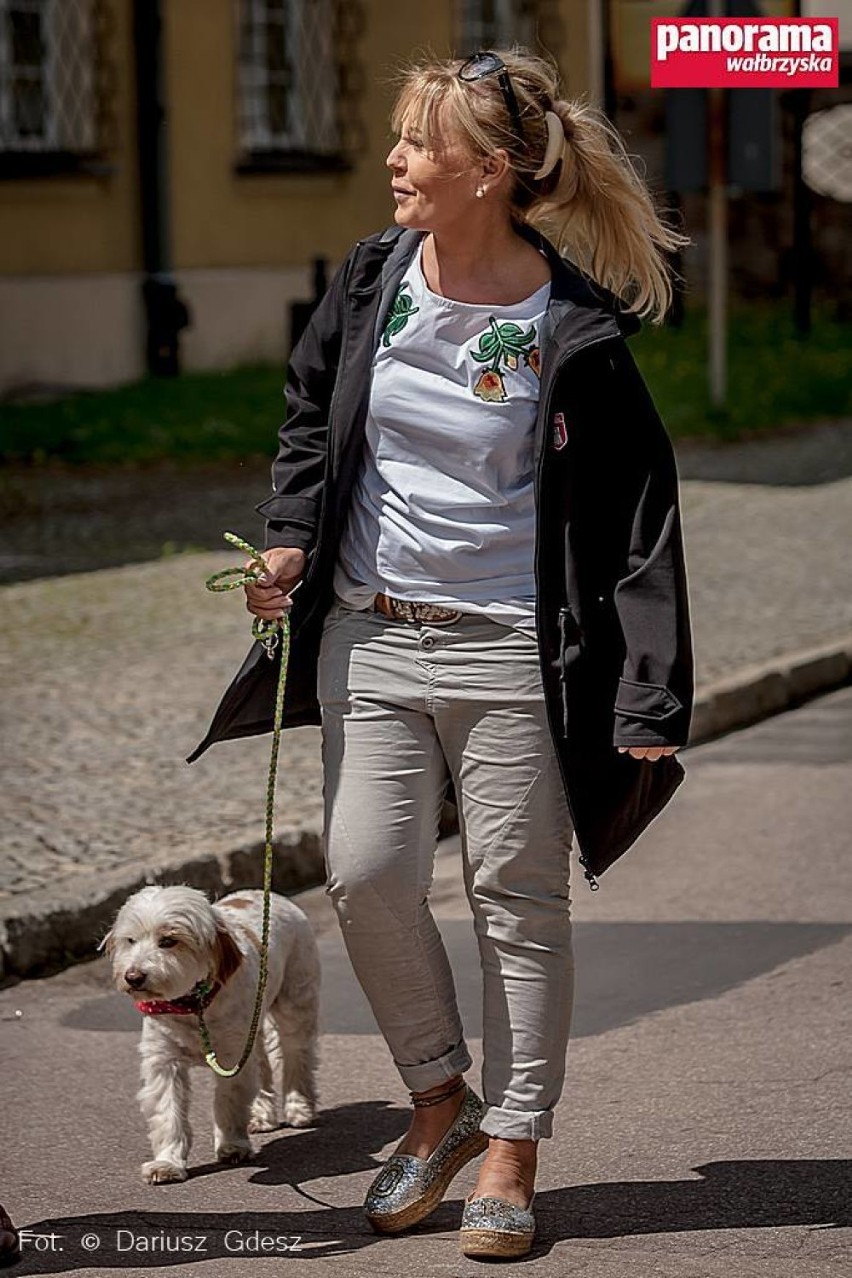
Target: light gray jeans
pixel 406 705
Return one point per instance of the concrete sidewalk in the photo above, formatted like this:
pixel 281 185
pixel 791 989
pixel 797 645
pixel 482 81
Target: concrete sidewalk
pixel 107 680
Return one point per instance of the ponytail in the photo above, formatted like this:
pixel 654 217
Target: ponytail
pixel 597 210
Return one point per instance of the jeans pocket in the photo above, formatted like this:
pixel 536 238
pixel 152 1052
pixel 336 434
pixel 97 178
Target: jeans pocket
pixel 337 612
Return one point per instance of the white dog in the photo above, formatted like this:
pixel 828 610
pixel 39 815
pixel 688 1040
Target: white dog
pixel 171 949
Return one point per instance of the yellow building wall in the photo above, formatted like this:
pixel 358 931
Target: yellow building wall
pixel 71 310
pixel 73 225
pixel 221 218
pixel 573 57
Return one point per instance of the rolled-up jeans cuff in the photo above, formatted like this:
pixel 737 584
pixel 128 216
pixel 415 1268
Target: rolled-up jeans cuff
pixel 518 1124
pixel 419 1078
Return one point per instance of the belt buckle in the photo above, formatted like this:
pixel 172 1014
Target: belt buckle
pixel 433 614
pixel 437 614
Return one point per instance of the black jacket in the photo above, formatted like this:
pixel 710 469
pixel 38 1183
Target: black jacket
pixel 612 609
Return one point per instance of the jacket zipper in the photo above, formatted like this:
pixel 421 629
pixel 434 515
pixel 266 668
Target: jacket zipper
pixel 594 885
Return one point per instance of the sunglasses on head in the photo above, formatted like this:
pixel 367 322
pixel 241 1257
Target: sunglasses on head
pixel 483 63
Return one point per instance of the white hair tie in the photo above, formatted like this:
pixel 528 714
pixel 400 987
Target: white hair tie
pixel 555 143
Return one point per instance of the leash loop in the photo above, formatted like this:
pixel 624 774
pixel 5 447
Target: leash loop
pixel 273 634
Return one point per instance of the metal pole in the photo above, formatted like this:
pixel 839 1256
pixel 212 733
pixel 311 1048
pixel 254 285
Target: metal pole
pixel 151 118
pixel 717 210
pixel 594 9
pixel 609 95
pixel 802 238
pixel 166 313
pixel 802 241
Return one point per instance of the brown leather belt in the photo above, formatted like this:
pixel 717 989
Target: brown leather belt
pixel 405 610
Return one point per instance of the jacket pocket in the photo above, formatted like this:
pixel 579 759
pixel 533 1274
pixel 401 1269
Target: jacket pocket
pixel 647 701
pixel 570 636
pixel 283 508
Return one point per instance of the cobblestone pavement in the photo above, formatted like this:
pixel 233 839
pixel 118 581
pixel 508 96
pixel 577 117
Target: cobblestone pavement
pixel 108 678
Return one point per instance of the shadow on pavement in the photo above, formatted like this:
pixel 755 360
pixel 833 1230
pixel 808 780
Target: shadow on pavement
pixel 823 735
pixel 65 519
pixel 347 1139
pixel 624 971
pixel 800 456
pixel 758 1194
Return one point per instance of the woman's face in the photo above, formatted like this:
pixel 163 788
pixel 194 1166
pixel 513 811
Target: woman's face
pixel 433 190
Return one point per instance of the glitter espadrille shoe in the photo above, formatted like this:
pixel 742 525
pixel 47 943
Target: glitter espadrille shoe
pixel 492 1227
pixel 408 1188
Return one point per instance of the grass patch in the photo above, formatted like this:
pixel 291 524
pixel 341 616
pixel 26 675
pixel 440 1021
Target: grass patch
pixel 199 417
pixel 775 379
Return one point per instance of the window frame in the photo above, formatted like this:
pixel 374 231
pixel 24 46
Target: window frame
pixel 260 148
pixel 44 155
pixel 471 28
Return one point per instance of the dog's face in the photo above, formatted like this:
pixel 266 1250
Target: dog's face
pixel 167 939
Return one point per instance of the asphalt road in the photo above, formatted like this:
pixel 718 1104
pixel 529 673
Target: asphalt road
pixel 704 1128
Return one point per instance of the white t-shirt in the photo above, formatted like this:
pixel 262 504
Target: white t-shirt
pixel 443 508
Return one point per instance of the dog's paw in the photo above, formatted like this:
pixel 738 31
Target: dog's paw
pixel 298 1110
pixel 262 1123
pixel 158 1172
pixel 264 1117
pixel 231 1155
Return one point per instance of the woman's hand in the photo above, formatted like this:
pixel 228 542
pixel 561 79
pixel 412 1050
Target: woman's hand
pixel 651 753
pixel 268 597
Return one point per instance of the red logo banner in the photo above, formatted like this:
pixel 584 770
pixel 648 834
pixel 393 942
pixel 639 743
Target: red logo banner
pixel 744 53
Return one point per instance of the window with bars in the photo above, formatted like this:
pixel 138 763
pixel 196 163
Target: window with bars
pixel 496 24
pixel 297 82
pixel 51 101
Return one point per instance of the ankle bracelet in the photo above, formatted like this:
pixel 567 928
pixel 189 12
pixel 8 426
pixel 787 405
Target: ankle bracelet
pixel 422 1102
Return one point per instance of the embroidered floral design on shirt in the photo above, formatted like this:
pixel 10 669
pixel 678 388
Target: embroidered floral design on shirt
pixel 400 313
pixel 504 344
pixel 490 387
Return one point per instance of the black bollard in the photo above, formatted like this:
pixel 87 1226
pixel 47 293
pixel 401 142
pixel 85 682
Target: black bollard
pixel 301 312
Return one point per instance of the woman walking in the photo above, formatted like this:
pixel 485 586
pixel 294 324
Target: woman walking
pixel 476 492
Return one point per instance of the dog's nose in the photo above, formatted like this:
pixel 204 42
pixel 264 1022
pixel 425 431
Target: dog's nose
pixel 135 978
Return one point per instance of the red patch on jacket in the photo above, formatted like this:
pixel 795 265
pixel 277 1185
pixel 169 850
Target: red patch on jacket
pixel 560 431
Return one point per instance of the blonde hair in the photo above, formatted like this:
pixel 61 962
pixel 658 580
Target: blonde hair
pixel 594 205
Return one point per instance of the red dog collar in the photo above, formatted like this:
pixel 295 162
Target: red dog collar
pixel 198 998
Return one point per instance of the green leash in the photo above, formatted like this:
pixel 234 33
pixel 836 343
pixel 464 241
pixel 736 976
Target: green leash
pixel 270 634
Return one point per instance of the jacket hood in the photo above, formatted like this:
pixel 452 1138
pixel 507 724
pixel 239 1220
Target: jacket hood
pixel 572 285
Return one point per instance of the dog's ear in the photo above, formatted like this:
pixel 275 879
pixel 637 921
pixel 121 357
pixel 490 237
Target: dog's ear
pixel 108 943
pixel 228 953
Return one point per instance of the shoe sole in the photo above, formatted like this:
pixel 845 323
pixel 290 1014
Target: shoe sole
pixel 393 1222
pixel 493 1242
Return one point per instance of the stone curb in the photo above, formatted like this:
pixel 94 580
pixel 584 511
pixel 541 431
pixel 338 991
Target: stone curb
pixel 48 930
pixel 755 692
pixel 45 931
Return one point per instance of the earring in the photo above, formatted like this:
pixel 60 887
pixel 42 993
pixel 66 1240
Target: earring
pixel 480 191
